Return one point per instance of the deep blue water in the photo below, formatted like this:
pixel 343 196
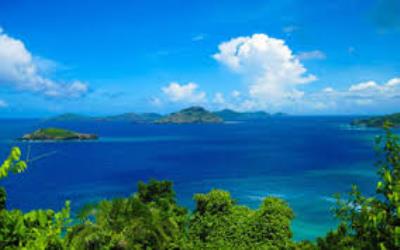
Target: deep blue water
pixel 304 160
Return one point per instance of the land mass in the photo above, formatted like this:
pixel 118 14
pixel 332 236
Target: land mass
pixel 378 121
pixel 191 115
pixel 126 117
pixel 57 134
pixel 231 115
pixel 188 115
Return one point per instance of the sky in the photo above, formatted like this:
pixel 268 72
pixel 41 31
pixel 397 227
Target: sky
pixel 303 57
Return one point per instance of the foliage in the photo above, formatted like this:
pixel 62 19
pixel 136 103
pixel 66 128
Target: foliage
pixel 57 134
pixel 149 219
pixel 372 222
pixel 219 223
pixel 37 229
pixel 379 121
pixel 191 115
pixel 13 163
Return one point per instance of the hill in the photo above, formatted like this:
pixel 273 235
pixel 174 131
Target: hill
pixel 57 134
pixel 378 121
pixel 191 115
pixel 231 115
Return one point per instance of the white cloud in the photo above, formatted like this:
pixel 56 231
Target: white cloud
pixel 368 93
pixel 235 94
pixel 188 93
pixel 394 82
pixel 311 55
pixel 364 86
pixel 3 104
pixel 269 67
pixel 328 90
pixel 219 98
pixel 20 69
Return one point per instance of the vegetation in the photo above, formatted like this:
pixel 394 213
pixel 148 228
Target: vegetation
pixel 152 219
pixel 372 222
pixel 38 229
pixel 57 134
pixel 378 121
pixel 191 115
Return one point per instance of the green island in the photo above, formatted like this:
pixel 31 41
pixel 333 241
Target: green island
pixel 151 218
pixel 57 134
pixel 378 121
pixel 190 115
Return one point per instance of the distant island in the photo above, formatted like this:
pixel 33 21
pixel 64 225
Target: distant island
pixel 131 117
pixel 190 115
pixel 231 115
pixel 57 134
pixel 126 117
pixel 378 121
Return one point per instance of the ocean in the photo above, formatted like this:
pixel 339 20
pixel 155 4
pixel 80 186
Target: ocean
pixel 304 160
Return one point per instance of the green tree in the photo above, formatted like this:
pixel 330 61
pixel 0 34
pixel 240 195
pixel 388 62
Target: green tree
pixel 149 219
pixel 38 229
pixel 372 222
pixel 219 223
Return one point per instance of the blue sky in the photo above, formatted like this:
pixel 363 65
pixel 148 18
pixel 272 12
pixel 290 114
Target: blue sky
pixel 105 57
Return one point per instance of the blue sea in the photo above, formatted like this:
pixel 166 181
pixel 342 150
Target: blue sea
pixel 304 160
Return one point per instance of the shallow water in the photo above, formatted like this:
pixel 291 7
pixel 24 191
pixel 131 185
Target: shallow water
pixel 304 160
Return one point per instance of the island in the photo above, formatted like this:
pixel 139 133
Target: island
pixel 57 134
pixel 125 117
pixel 190 115
pixel 378 121
pixel 71 117
pixel 131 117
pixel 231 115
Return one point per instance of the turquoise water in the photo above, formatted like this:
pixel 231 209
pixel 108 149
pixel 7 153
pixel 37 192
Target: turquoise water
pixel 304 160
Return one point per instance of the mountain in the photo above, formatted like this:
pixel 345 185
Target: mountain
pixel 126 117
pixel 231 115
pixel 378 121
pixel 71 117
pixel 191 115
pixel 57 134
pixel 280 114
pixel 132 117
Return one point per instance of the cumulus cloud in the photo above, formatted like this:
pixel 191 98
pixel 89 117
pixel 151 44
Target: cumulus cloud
pixel 3 104
pixel 312 55
pixel 368 93
pixel 25 72
pixel 188 93
pixel 269 67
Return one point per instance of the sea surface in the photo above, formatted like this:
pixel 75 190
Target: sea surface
pixel 304 160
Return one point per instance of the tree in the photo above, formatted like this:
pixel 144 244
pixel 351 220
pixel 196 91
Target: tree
pixel 149 219
pixel 219 223
pixel 372 222
pixel 37 229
